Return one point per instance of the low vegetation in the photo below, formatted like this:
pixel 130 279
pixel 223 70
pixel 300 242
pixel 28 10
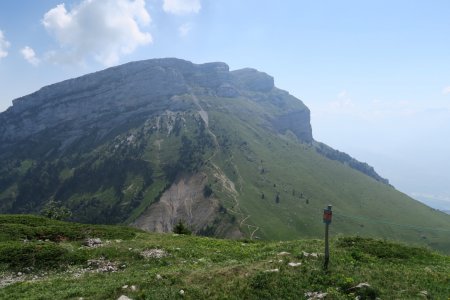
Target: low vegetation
pixel 47 259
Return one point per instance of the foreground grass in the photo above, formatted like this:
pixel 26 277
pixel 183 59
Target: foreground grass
pixel 206 268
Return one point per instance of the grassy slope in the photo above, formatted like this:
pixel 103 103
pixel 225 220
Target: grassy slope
pixel 292 168
pixel 208 268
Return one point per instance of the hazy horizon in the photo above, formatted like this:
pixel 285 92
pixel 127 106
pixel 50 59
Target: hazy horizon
pixel 375 75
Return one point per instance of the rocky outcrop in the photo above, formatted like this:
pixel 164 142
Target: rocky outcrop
pixel 184 201
pixel 298 122
pixel 346 159
pixel 253 80
pixel 227 90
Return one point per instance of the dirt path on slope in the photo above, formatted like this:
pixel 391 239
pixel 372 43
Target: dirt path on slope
pixel 237 210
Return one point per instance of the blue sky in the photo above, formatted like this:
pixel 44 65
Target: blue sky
pixel 375 74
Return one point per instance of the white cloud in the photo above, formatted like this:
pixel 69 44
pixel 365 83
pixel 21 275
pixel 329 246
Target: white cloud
pixel 102 29
pixel 4 44
pixel 30 56
pixel 184 29
pixel 182 7
pixel 342 94
pixel 446 90
pixel 343 103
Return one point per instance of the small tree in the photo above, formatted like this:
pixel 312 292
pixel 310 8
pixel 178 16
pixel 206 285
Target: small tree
pixel 207 191
pixel 56 211
pixel 180 228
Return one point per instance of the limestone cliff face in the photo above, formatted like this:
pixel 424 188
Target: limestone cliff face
pixel 297 122
pixel 97 103
pixel 107 99
pixel 253 80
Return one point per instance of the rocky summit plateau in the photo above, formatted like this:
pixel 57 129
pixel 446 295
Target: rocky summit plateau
pixel 155 142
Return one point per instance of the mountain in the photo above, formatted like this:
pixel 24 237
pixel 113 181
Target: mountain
pixel 155 142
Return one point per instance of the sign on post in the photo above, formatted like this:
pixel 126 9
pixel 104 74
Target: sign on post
pixel 327 215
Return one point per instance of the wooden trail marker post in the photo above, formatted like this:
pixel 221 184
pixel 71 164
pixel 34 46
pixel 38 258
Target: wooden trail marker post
pixel 327 214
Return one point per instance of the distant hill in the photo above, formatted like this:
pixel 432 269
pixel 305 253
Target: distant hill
pixel 154 142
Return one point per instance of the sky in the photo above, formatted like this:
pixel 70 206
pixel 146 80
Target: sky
pixel 375 74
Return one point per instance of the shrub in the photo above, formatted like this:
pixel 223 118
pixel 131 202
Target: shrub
pixel 38 255
pixel 56 211
pixel 180 228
